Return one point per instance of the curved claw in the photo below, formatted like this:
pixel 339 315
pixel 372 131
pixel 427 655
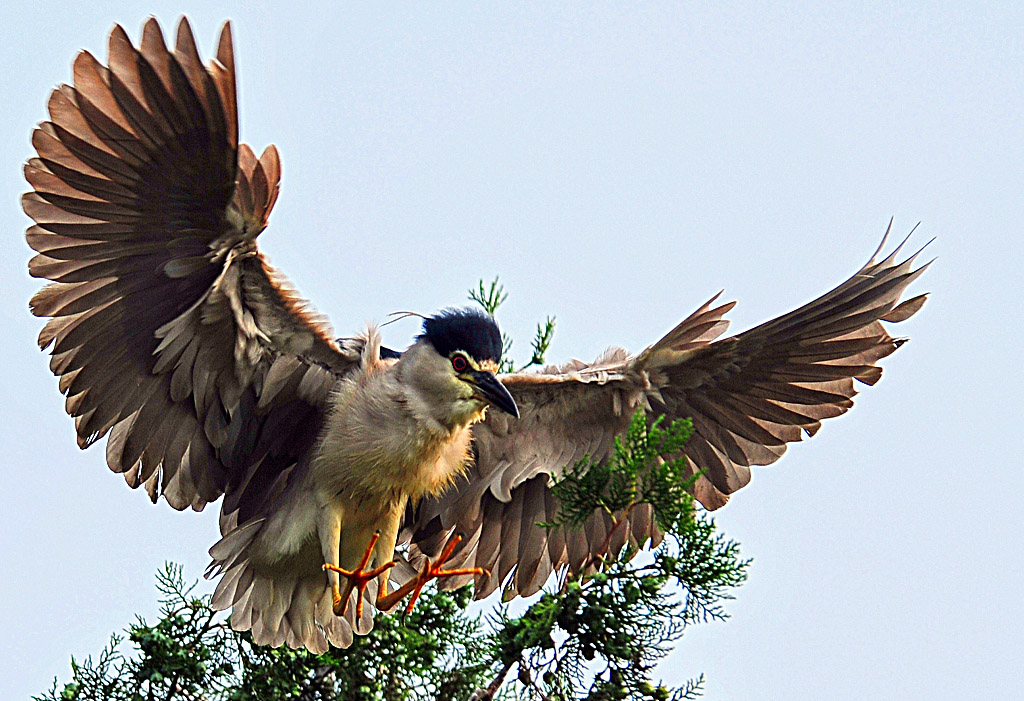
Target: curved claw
pixel 431 570
pixel 357 579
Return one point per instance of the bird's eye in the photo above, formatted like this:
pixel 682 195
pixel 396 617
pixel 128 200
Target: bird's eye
pixel 459 363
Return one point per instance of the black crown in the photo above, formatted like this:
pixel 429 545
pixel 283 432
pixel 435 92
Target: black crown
pixel 469 330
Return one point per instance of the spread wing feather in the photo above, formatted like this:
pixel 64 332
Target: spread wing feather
pixel 748 396
pixel 169 332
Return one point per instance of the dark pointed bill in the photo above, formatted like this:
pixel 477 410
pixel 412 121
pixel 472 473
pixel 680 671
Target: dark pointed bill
pixel 494 392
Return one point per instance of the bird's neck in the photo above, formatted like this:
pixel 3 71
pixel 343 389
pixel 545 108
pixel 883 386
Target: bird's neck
pixel 383 434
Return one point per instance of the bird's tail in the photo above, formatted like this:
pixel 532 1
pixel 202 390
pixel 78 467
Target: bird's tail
pixel 286 603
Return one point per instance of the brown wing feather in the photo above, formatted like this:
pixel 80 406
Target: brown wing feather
pixel 167 325
pixel 751 394
pixel 748 396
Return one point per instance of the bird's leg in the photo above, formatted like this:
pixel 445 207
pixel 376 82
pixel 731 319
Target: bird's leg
pixel 357 579
pixel 431 570
pixel 329 530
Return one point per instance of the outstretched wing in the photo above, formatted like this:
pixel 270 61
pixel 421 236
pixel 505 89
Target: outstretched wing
pixel 752 394
pixel 748 396
pixel 169 332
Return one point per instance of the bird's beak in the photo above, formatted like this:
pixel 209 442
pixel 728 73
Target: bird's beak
pixel 493 392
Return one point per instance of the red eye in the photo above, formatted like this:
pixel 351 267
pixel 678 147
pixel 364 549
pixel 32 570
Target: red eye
pixel 459 363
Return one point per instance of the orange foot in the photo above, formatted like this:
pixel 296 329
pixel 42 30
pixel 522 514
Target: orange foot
pixel 357 579
pixel 431 570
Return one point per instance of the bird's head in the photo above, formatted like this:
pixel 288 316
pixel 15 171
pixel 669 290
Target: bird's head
pixel 455 361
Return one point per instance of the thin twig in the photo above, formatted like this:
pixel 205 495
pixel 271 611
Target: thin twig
pixel 602 550
pixel 488 692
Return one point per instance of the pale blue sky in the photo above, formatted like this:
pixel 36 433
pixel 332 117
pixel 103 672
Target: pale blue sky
pixel 616 165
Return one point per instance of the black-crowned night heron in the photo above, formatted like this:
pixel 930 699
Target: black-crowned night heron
pixel 172 336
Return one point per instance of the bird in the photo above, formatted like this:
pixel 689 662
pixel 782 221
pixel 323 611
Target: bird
pixel 344 467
